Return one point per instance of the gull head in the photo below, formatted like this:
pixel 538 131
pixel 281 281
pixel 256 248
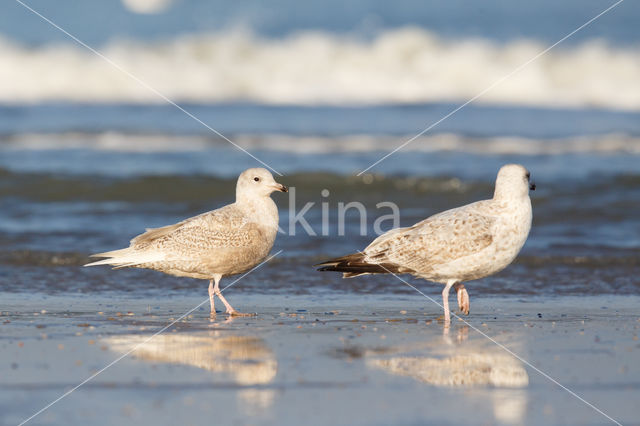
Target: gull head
pixel 513 181
pixel 258 182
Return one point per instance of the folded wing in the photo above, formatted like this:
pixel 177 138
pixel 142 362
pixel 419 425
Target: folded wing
pixel 437 240
pixel 219 229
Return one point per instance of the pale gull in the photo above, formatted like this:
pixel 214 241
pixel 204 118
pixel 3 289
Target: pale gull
pixel 227 241
pixel 462 244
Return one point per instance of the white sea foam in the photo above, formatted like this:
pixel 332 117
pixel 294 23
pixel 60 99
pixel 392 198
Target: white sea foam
pixel 146 6
pixel 407 65
pixel 123 142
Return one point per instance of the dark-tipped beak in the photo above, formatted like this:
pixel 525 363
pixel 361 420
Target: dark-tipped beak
pixel 281 188
pixel 532 186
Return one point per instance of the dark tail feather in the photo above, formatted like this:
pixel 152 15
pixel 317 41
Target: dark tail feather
pixel 353 265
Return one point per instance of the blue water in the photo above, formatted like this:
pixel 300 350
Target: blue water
pixel 547 20
pixel 399 120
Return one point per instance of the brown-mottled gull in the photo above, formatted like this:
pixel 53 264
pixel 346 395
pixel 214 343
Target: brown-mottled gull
pixel 462 244
pixel 222 242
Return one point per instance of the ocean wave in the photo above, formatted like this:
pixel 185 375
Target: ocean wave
pixel 447 142
pixel 406 65
pixel 48 187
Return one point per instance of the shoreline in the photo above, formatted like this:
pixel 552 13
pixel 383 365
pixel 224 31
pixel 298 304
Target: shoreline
pixel 302 353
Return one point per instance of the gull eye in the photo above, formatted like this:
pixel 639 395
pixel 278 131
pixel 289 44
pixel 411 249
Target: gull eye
pixel 528 175
pixel 257 179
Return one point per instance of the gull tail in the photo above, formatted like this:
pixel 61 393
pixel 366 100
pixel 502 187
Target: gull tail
pixel 353 265
pixel 126 257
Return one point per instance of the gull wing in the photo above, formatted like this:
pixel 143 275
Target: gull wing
pixel 227 223
pixel 223 228
pixel 437 240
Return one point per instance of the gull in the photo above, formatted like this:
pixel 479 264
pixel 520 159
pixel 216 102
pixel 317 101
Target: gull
pixel 457 245
pixel 227 241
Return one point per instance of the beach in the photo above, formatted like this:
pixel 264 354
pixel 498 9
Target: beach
pixel 365 359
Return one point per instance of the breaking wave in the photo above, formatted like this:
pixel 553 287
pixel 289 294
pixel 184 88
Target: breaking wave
pixel 406 65
pixel 445 142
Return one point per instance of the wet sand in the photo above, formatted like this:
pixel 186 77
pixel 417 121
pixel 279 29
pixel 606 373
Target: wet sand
pixel 319 359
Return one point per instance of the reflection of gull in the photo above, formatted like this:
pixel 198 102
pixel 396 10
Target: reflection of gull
pixel 509 405
pixel 467 243
pixel 227 241
pixel 247 360
pixel 459 370
pixel 467 365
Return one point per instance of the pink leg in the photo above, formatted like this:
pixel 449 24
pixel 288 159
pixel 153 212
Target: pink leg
pixel 445 302
pixel 230 310
pixel 212 299
pixel 463 298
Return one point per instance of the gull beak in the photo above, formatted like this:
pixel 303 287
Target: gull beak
pixel 280 187
pixel 532 186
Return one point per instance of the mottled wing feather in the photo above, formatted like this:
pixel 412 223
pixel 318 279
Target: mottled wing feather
pixel 202 239
pixel 153 234
pixel 437 240
pixel 224 227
